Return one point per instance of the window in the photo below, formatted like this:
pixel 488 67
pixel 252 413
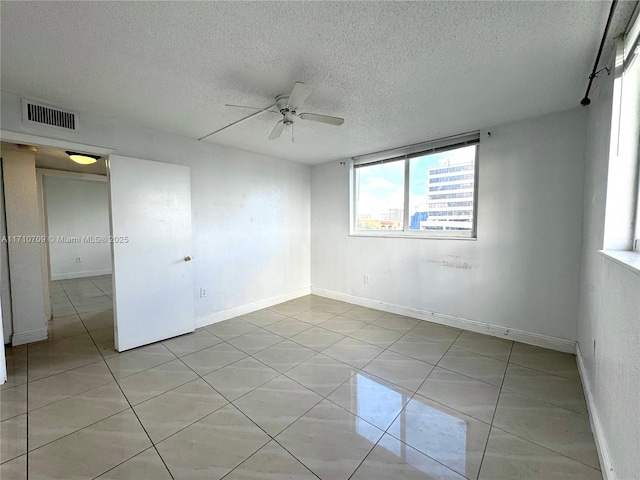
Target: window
pixel 428 191
pixel 622 216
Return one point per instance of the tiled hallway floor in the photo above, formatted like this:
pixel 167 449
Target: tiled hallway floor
pixel 311 388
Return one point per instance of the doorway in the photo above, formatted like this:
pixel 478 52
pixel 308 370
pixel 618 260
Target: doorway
pixel 75 210
pixel 151 297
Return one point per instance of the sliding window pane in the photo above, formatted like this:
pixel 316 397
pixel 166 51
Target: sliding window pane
pixel 441 190
pixel 380 196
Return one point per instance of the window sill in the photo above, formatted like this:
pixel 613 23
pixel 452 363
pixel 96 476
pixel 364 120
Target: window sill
pixel 408 235
pixel 628 259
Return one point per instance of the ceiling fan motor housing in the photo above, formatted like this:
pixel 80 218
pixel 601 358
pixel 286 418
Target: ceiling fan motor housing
pixel 283 107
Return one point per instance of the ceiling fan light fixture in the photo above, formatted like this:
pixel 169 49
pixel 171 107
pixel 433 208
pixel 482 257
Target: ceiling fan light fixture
pixel 83 158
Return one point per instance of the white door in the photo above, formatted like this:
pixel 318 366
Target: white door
pixel 151 235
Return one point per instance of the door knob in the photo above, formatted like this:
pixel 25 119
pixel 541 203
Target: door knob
pixel 187 258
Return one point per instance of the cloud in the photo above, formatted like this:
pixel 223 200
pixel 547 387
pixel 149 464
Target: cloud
pixel 379 182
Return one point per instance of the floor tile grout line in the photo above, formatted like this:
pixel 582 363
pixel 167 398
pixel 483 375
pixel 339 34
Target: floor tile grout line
pixel 458 347
pixel 131 458
pixel 70 396
pixel 316 352
pixel 98 287
pixel 440 359
pixel 54 341
pixel 73 303
pixel 291 453
pixel 495 409
pixel 469 376
pixel 190 353
pixel 131 351
pixel 51 342
pixel 95 345
pixel 230 402
pixel 548 373
pixel 136 415
pixel 186 426
pixel 447 406
pixel 324 397
pixel 80 429
pixel 201 377
pixel 64 371
pixel 279 375
pixel 349 412
pixel 27 418
pixel 166 391
pixel 466 375
pixel 25 454
pixel 312 326
pixel 546 402
pixel 296 381
pixel 271 437
pixel 17 414
pixel 425 379
pixel 527 440
pixel 385 432
pixel 254 453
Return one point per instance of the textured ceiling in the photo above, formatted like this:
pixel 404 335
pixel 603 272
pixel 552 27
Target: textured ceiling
pixel 398 72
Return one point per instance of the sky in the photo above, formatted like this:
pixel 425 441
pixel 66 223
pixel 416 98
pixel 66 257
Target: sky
pixel 382 186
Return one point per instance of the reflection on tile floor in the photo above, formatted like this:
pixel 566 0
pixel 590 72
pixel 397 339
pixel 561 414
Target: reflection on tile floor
pixel 311 388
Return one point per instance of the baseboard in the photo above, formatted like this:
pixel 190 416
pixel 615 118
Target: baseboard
pixel 249 307
pixel 88 273
pixel 539 340
pixel 596 426
pixel 28 337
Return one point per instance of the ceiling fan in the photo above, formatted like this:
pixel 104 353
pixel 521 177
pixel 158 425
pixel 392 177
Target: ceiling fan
pixel 287 106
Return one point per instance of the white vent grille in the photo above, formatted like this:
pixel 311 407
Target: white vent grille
pixel 41 114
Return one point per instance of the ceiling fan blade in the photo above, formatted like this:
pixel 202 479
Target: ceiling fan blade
pixel 314 117
pixel 298 95
pixel 251 108
pixel 277 130
pixel 242 106
pixel 259 112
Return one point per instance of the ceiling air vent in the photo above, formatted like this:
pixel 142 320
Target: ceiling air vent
pixel 33 112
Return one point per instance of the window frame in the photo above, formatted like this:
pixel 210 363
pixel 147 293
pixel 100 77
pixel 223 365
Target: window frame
pixel 622 205
pixel 405 154
pixel 631 56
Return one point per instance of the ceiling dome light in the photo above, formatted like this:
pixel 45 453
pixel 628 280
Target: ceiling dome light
pixel 83 158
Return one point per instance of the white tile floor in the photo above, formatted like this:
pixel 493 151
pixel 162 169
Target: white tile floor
pixel 312 388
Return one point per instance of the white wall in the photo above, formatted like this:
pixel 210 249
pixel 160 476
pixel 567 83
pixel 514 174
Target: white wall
pixel 523 271
pixel 77 208
pixel 5 289
pixel 25 266
pixel 250 212
pixel 3 363
pixel 609 312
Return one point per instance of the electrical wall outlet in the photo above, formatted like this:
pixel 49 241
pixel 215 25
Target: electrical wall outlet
pixel 367 279
pixel 203 292
pixel 78 260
